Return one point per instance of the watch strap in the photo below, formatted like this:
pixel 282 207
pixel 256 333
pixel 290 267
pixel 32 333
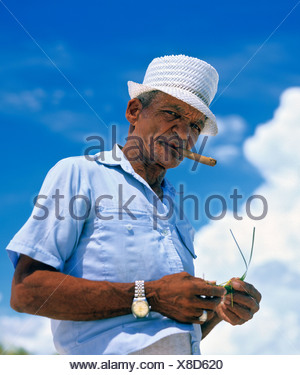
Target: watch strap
pixel 139 291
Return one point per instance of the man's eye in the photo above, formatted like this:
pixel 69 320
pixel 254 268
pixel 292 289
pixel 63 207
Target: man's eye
pixel 195 126
pixel 174 114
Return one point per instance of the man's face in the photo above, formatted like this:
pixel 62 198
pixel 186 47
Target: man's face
pixel 166 123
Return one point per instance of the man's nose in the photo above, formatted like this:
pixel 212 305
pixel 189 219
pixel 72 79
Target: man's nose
pixel 182 130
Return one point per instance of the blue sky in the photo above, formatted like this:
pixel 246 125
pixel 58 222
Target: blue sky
pixel 64 69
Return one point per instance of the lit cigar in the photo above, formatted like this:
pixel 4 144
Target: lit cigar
pixel 197 157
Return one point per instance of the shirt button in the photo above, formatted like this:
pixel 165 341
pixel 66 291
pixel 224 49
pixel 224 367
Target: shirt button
pixel 129 227
pixel 165 232
pixel 195 348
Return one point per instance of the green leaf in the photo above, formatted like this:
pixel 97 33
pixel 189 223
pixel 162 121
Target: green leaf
pixel 239 249
pixel 251 252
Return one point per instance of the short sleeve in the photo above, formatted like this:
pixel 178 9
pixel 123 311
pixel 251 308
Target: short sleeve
pixel 52 232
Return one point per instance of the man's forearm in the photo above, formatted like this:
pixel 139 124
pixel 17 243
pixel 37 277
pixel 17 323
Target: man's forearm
pixel 209 325
pixel 58 296
pixel 40 289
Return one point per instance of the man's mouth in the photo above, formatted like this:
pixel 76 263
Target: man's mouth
pixel 168 144
pixel 172 146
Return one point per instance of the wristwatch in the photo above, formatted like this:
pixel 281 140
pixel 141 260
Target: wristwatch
pixel 140 307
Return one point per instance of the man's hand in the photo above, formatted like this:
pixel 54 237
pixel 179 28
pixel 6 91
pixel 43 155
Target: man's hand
pixel 239 306
pixel 183 297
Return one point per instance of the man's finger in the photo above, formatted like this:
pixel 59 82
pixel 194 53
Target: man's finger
pixel 244 287
pixel 243 300
pixel 209 303
pixel 241 311
pixel 202 288
pixel 231 317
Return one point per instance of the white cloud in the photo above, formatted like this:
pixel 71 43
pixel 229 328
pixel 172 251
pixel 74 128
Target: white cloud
pixel 232 127
pixel 57 96
pixel 274 151
pixel 263 335
pixel 275 148
pixel 31 100
pixel 31 333
pixel 64 120
pixel 227 145
pixel 46 106
pixel 28 101
pixel 226 153
pixel 73 125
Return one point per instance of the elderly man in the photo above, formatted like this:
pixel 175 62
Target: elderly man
pixel 115 277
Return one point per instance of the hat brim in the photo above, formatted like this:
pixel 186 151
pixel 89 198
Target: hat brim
pixel 210 126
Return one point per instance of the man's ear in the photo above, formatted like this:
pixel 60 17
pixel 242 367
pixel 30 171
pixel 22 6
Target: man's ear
pixel 133 110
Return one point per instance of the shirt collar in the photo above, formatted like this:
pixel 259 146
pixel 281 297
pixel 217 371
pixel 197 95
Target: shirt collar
pixel 113 157
pixel 116 157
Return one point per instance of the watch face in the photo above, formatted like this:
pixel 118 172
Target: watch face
pixel 140 309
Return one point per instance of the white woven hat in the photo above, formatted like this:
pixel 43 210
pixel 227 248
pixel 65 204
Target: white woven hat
pixel 186 78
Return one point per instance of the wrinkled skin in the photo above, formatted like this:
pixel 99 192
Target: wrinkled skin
pixel 41 290
pixel 167 119
pixel 183 297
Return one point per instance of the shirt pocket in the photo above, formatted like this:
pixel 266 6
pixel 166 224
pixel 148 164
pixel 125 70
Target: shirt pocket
pixel 129 246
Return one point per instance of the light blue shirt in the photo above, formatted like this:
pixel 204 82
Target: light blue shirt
pixel 108 224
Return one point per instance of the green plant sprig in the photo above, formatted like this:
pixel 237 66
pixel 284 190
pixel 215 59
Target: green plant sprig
pixel 227 285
